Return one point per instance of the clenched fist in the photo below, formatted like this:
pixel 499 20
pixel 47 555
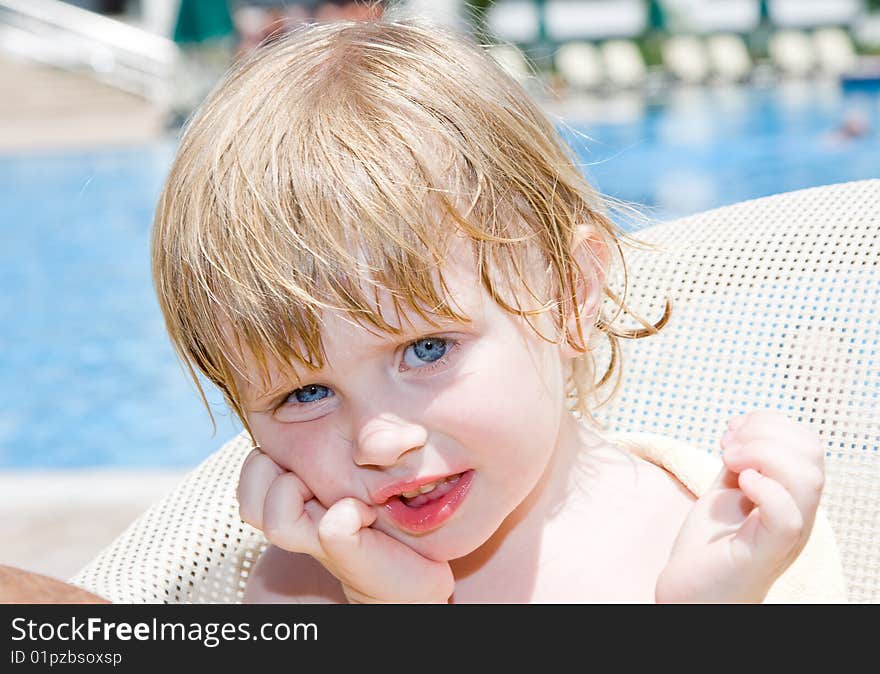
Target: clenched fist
pixel 372 566
pixel 755 519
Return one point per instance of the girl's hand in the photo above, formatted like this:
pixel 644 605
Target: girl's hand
pixel 372 566
pixel 753 522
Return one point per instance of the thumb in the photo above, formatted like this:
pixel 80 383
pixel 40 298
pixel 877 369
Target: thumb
pixel 376 566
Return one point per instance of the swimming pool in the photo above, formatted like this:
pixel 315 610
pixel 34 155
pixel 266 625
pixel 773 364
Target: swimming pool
pixel 89 378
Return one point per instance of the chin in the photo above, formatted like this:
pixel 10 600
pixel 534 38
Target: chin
pixel 444 545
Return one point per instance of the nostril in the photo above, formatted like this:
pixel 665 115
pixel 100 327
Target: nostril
pixel 385 438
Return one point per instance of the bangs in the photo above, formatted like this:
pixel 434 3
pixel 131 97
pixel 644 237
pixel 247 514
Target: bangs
pixel 338 167
pixel 349 195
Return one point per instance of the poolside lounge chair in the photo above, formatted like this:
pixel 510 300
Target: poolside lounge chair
pixel 792 53
pixel 729 57
pixel 512 60
pixel 685 58
pixel 834 51
pixel 580 65
pixel 624 64
pixel 775 305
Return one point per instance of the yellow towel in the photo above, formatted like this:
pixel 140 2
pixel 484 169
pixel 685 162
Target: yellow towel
pixel 815 577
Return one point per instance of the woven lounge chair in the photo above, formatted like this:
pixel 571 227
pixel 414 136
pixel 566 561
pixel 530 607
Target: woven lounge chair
pixel 623 63
pixel 579 63
pixel 686 59
pixel 792 53
pixel 729 57
pixel 776 304
pixel 835 51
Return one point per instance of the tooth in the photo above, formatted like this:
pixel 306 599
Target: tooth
pixel 410 494
pixel 425 488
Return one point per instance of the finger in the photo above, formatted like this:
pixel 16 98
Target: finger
pixel 776 525
pixel 375 566
pixel 774 428
pixel 340 533
pixel 286 523
pixel 255 451
pixel 802 478
pixel 340 527
pixel 736 422
pixel 765 456
pixel 725 479
pixel 315 510
pixel 257 472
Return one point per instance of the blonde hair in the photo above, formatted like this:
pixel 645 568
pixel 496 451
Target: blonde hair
pixel 336 162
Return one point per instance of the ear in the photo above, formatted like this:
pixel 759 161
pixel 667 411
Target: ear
pixel 591 257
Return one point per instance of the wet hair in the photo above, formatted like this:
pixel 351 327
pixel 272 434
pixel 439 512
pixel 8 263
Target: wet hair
pixel 338 162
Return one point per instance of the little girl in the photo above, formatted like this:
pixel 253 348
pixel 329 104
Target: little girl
pixel 380 250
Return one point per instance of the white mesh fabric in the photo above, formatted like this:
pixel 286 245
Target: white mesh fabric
pixel 776 304
pixel 190 547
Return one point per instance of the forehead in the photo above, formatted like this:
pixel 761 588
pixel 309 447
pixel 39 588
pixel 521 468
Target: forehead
pixel 458 282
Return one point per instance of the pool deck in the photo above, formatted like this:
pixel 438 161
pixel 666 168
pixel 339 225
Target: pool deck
pixel 54 521
pixel 43 108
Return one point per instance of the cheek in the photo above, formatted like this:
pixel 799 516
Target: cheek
pixel 501 399
pixel 312 451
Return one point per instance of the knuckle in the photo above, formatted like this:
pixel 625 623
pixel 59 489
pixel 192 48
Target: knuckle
pixel 245 505
pixel 273 529
pixel 279 537
pixel 247 516
pixel 816 450
pixel 792 526
pixel 274 515
pixel 743 454
pixel 815 480
pixel 333 527
pixel 251 455
pixel 252 460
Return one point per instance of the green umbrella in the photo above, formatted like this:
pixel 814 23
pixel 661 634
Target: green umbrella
pixel 201 20
pixel 765 10
pixel 656 16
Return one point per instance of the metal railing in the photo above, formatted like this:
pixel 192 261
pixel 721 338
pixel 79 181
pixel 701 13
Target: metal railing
pixel 69 37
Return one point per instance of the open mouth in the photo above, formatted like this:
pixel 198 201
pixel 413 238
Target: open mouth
pixel 431 505
pixel 430 492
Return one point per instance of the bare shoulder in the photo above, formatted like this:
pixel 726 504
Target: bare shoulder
pixel 281 577
pixel 642 497
pixel 630 475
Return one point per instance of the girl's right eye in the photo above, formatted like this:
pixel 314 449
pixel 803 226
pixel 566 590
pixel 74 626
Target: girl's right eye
pixel 309 394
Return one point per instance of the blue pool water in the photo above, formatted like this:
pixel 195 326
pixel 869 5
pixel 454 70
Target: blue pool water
pixel 88 377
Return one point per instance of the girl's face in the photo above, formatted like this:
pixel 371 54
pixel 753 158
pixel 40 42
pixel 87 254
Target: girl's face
pixel 475 409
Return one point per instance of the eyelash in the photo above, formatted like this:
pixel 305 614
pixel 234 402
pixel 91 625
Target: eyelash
pixel 453 345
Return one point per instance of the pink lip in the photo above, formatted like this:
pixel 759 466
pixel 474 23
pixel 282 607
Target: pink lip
pixel 398 488
pixel 431 515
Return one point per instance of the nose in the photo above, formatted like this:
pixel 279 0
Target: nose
pixel 384 438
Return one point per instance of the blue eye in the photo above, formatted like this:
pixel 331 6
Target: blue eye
pixel 427 350
pixel 311 394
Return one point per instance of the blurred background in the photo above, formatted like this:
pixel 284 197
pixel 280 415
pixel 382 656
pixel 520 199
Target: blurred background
pixel 676 105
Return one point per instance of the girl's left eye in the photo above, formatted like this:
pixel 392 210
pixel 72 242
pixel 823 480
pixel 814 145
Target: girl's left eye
pixel 310 394
pixel 425 352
